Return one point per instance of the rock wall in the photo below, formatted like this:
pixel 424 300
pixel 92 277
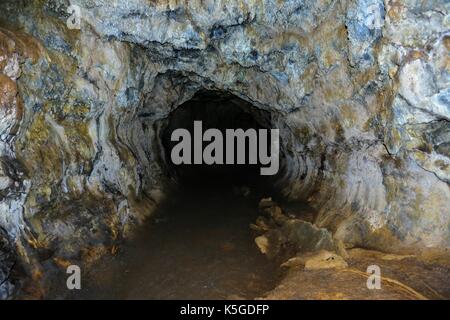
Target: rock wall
pixel 359 89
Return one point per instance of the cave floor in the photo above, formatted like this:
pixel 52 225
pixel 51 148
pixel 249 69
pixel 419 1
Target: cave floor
pixel 205 249
pixel 190 250
pixel 403 277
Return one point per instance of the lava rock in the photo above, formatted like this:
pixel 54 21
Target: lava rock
pixel 289 235
pixel 317 260
pixel 325 260
pixel 7 262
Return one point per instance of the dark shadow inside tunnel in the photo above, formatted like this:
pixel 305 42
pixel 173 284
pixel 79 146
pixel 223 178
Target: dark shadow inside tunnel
pixel 218 111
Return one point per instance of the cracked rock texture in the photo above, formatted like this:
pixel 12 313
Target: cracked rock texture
pixel 359 88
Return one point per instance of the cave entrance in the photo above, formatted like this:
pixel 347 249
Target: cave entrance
pixel 203 226
pixel 199 244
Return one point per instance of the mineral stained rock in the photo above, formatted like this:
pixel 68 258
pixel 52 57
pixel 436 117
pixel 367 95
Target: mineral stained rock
pixel 283 235
pixel 358 88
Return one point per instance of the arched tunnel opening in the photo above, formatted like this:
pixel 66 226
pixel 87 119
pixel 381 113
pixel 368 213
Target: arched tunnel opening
pixel 220 111
pixel 199 243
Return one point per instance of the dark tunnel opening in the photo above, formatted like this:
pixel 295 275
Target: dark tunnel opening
pixel 220 111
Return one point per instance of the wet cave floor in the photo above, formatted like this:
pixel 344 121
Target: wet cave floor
pixel 191 249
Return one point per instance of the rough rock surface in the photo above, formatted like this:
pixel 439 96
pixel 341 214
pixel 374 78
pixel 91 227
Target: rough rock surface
pixel 325 260
pixel 359 89
pixel 316 261
pixel 7 262
pixel 410 278
pixel 283 236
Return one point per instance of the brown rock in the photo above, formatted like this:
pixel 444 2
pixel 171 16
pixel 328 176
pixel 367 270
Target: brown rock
pixel 263 244
pixel 8 93
pixel 325 260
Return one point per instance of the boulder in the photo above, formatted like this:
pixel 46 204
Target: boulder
pixel 283 234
